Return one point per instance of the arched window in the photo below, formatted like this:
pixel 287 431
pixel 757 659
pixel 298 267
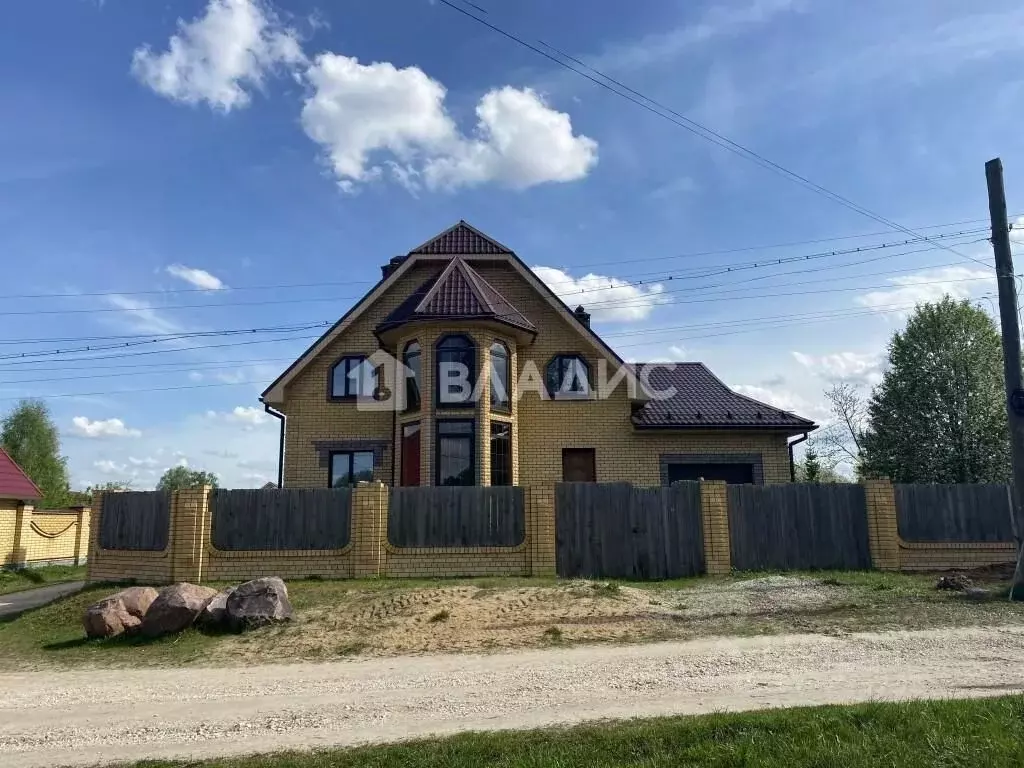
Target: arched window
pixel 455 371
pixel 413 375
pixel 353 376
pixel 568 376
pixel 501 378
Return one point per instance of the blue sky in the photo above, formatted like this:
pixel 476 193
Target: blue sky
pixel 197 154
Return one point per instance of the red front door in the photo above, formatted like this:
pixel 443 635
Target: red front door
pixel 411 454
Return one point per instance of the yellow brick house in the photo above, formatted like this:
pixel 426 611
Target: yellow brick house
pixel 461 367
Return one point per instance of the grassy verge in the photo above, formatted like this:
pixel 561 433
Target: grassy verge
pixel 345 619
pixel 31 578
pixel 987 732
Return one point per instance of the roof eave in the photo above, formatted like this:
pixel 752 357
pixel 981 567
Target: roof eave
pixel 792 429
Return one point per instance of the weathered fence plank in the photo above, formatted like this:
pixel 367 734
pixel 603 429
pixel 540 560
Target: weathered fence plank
pixel 135 520
pixel 933 512
pixel 457 516
pixel 798 526
pixel 613 530
pixel 280 518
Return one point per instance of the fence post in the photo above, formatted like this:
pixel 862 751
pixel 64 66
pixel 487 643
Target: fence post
pixel 82 534
pixel 883 533
pixel 19 554
pixel 540 527
pixel 369 521
pixel 714 512
pixel 190 529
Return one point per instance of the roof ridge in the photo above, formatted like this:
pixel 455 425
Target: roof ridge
pixel 437 244
pixel 745 397
pixel 438 283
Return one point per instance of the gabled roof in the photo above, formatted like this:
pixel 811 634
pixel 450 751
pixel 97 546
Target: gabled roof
pixel 702 400
pixel 458 292
pixel 460 240
pixel 14 483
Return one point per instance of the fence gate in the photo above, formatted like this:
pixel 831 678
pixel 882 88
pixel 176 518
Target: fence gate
pixel 618 531
pixel 798 526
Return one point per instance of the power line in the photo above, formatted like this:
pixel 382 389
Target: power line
pixel 694 127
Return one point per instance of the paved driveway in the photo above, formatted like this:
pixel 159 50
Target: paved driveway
pixel 33 598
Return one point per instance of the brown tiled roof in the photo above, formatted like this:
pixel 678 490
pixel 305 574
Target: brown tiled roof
pixel 14 483
pixel 460 240
pixel 701 399
pixel 458 292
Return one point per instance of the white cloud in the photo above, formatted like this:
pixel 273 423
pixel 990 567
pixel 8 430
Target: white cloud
pixel 246 415
pixel 219 56
pixel 147 461
pixel 610 299
pixel 928 286
pixel 195 376
pixel 200 278
pixel 142 316
pixel 359 112
pixel 856 367
pixel 787 401
pixel 109 467
pixel 84 427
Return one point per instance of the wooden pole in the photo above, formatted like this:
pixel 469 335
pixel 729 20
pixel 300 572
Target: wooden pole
pixel 1008 321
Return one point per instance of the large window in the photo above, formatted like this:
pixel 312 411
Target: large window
pixel 501 453
pixel 350 467
pixel 500 378
pixel 413 376
pixel 456 371
pixel 568 376
pixel 353 377
pixel 455 454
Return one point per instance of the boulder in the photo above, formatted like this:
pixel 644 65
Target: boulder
pixel 215 614
pixel 137 600
pixel 956 582
pixel 109 618
pixel 176 607
pixel 257 603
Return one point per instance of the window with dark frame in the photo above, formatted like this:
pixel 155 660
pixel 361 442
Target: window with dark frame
pixel 568 376
pixel 501 453
pixel 455 371
pixel 455 454
pixel 413 376
pixel 353 376
pixel 350 467
pixel 501 392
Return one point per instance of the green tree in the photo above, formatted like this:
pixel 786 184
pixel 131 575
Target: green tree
pixel 177 478
pixel 811 470
pixel 939 415
pixel 30 438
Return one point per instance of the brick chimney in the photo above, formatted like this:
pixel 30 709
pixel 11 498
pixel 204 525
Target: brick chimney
pixel 391 266
pixel 582 315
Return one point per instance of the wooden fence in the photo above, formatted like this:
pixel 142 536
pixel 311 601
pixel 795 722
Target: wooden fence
pixel 948 513
pixel 275 519
pixel 619 531
pixel 136 520
pixel 798 526
pixel 457 516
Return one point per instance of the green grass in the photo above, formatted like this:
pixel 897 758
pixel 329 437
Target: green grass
pixel 31 578
pixel 946 734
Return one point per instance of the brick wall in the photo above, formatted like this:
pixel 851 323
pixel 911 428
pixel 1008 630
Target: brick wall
pixel 541 427
pixel 34 537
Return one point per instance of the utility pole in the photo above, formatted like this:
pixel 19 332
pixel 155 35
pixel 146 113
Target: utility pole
pixel 1011 351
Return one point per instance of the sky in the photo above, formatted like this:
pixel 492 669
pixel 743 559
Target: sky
pixel 169 170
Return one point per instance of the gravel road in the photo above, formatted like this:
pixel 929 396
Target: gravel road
pixel 90 716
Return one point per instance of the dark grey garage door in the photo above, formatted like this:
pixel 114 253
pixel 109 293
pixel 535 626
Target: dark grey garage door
pixel 734 474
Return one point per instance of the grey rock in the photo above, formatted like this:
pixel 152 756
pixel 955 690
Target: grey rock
pixel 956 582
pixel 108 618
pixel 215 614
pixel 175 608
pixel 137 600
pixel 257 603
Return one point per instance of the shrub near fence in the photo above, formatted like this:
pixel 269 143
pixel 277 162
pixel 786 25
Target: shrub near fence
pixel 275 518
pixel 947 513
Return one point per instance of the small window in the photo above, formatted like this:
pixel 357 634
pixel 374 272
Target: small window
pixel 456 371
pixel 568 376
pixel 501 453
pixel 456 463
pixel 500 377
pixel 413 376
pixel 353 377
pixel 350 467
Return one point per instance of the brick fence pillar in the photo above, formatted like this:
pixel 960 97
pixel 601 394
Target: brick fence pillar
pixel 190 531
pixel 883 532
pixel 540 526
pixel 19 552
pixel 82 534
pixel 714 512
pixel 369 529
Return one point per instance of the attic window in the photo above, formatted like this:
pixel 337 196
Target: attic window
pixel 568 376
pixel 351 377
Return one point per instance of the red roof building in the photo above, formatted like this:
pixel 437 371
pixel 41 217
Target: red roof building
pixel 14 483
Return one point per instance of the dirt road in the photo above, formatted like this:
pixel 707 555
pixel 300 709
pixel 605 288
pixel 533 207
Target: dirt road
pixel 84 717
